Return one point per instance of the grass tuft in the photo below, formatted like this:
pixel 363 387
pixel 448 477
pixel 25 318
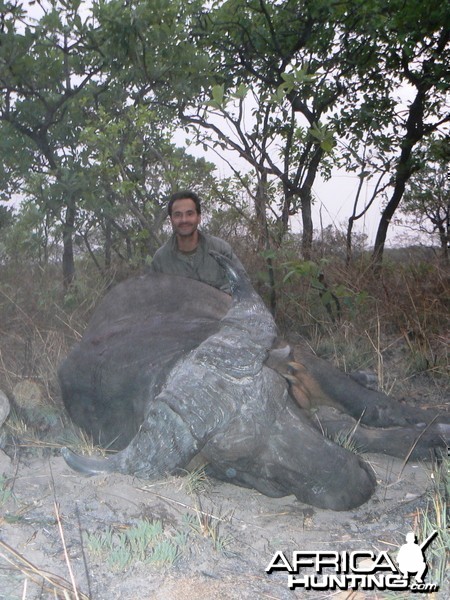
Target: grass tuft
pixel 145 541
pixel 435 517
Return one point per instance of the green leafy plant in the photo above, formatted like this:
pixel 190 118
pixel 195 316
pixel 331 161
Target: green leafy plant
pixel 145 541
pixel 335 297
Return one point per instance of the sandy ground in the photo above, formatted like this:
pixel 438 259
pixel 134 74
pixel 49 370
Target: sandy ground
pixel 225 536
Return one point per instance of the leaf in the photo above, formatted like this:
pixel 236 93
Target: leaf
pixel 327 145
pixel 218 92
pixel 241 91
pixel 268 254
pixel 289 275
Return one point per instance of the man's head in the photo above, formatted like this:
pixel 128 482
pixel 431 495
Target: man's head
pixel 185 213
pixel 186 194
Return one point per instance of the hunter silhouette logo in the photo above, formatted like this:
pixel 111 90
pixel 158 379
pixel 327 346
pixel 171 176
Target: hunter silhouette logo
pixel 361 569
pixel 411 558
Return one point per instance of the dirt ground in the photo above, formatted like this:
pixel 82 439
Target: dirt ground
pixel 215 540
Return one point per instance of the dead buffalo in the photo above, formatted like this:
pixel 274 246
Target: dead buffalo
pixel 170 368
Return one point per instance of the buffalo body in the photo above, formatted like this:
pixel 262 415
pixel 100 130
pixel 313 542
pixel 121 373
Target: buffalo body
pixel 170 368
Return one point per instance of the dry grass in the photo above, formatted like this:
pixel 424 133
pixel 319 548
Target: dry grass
pixel 39 323
pixel 401 319
pixel 53 585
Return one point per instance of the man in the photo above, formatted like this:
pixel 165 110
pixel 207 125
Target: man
pixel 187 252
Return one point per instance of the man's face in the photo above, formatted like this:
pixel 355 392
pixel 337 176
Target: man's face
pixel 184 218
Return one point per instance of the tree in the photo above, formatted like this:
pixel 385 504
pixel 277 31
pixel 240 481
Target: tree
pixel 80 138
pixel 285 85
pixel 427 198
pixel 48 71
pixel 405 49
pixel 293 78
pixel 134 167
pixel 270 59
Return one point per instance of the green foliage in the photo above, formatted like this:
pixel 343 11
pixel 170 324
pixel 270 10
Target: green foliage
pixel 6 217
pixel 145 542
pixel 74 143
pixel 217 96
pixel 333 297
pixel 149 542
pixel 426 197
pixel 209 526
pixel 91 97
pixel 27 236
pixel 324 136
pixel 345 440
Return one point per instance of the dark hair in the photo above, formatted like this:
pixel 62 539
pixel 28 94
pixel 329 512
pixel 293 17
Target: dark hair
pixel 181 196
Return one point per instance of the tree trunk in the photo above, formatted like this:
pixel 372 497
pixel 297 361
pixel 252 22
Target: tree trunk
pixel 306 200
pixel 385 220
pixel 444 238
pixel 414 133
pixel 348 241
pixel 307 221
pixel 68 260
pixel 108 243
pixel 351 222
pixel 263 240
